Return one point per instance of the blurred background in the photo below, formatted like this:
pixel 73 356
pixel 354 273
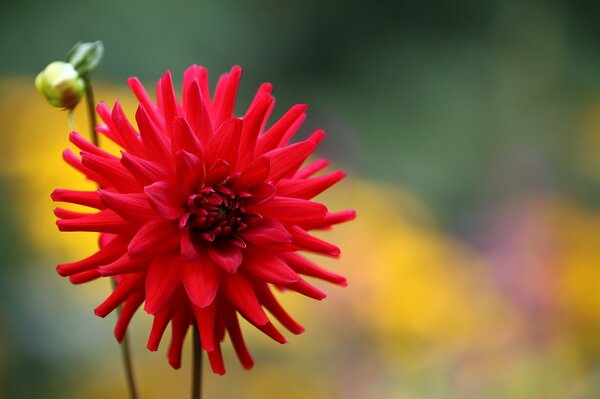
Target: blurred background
pixel 471 134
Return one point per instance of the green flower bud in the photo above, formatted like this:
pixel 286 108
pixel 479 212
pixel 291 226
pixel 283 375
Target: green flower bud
pixel 86 56
pixel 60 83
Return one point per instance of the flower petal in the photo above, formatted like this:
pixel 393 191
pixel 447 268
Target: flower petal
pixel 154 238
pixel 269 267
pixel 201 281
pixel 166 199
pixel 163 277
pixel 291 210
pixel 228 256
pixel 267 232
pixel 240 293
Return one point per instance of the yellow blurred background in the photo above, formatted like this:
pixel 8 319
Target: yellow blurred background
pixel 471 134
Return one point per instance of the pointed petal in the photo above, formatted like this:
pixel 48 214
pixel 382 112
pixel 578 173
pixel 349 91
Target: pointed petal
pixel 85 198
pixel 166 199
pixel 292 210
pixel 237 340
pixel 132 304
pixel 304 266
pixel 308 188
pixel 272 305
pixel 133 207
pixel 271 138
pixel 240 292
pixel 201 281
pixel 225 255
pixel 269 267
pixel 255 173
pixel 286 161
pixel 267 232
pixel 146 172
pixel 190 172
pixel 156 237
pixel 106 254
pixel 163 277
pixel 205 319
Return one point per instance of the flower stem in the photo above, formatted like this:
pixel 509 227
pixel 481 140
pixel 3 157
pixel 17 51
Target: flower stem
pixel 91 108
pixel 125 352
pixel 197 369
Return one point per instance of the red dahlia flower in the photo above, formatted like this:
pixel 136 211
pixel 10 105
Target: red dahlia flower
pixel 202 214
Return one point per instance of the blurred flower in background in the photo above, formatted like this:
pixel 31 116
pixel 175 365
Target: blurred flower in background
pixel 473 270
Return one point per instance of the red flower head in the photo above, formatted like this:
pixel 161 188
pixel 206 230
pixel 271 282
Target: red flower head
pixel 202 214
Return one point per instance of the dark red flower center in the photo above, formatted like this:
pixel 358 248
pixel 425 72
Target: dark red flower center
pixel 216 212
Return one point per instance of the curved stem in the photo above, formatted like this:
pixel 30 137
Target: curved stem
pixel 125 352
pixel 197 369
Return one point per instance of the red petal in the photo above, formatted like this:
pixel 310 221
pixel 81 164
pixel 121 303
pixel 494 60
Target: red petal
pixel 123 265
pixel 162 319
pixel 286 161
pixel 225 144
pixel 197 75
pixel 216 360
pixel 132 207
pixel 304 266
pixel 311 169
pixel 179 326
pixel 308 188
pixel 225 95
pixel 166 200
pixel 164 275
pixel 198 115
pixel 257 172
pixel 254 121
pixel 131 306
pixel 329 219
pixel 139 91
pixel 85 198
pixel 170 107
pixel 269 267
pixel 267 232
pixel 185 139
pixel 205 319
pixel 154 238
pixel 105 221
pixel 112 170
pixel 292 210
pixel 304 288
pixel 312 243
pixel 108 253
pixel 130 137
pixel 127 287
pixel 240 293
pixel 229 257
pixel 268 300
pixel 189 172
pixel 156 144
pixel 273 136
pixel 146 172
pixel 84 277
pixel 201 281
pixel 235 334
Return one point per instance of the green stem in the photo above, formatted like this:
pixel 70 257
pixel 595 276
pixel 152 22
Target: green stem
pixel 125 351
pixel 91 108
pixel 197 369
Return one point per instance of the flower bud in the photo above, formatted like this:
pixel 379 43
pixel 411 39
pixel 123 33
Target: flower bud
pixel 86 56
pixel 60 83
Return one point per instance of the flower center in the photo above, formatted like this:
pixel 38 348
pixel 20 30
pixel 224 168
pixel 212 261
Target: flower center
pixel 216 212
